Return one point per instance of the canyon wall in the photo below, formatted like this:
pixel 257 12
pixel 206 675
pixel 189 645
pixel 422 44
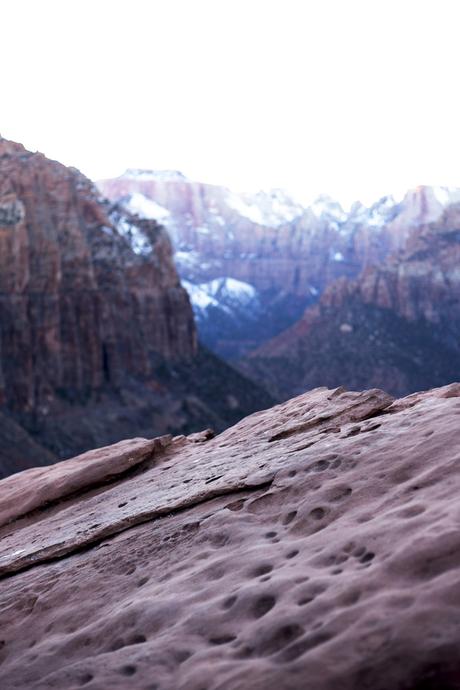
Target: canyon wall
pixel 285 252
pixel 397 324
pixel 92 313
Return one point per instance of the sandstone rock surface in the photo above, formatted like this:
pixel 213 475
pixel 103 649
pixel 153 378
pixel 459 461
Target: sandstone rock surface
pixel 313 545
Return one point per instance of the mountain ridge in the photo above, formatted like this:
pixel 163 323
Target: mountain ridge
pixel 397 323
pixel 288 265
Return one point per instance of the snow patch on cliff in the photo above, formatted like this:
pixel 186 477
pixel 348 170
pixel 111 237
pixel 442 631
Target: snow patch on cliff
pixel 145 208
pixel 138 240
pixel 200 298
pixel 447 195
pixel 271 209
pixel 226 294
pixel 230 290
pixel 325 206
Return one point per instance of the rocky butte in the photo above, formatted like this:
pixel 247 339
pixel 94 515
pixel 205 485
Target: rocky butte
pixel 97 337
pixel 396 326
pixel 314 545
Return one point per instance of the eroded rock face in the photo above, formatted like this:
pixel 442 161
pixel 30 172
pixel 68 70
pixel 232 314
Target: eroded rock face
pixel 97 337
pixel 71 281
pixel 312 545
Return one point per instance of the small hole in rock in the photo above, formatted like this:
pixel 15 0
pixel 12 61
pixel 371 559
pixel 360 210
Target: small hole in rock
pixel 292 554
pixel 289 517
pixel 263 605
pixel 304 601
pixel 138 639
pixel 229 602
pixel 236 505
pixel 262 569
pixel 86 678
pixel 128 670
pixel 317 513
pixel 222 639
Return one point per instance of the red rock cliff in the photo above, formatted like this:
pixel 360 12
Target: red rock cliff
pixel 97 338
pixel 78 306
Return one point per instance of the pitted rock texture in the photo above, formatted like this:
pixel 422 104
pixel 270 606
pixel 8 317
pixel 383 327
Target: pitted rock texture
pixel 313 545
pixel 96 330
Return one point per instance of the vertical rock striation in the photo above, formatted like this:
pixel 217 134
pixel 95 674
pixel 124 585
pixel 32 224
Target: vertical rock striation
pixel 92 312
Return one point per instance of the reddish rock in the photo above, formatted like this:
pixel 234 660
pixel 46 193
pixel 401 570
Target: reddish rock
pixel 396 326
pixel 71 283
pixel 312 545
pixel 18 450
pixel 20 494
pixel 97 338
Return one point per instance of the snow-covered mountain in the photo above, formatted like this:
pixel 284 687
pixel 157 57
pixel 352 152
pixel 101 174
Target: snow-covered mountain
pixel 272 209
pixel 226 311
pixel 159 175
pixel 144 207
pixel 285 252
pixel 227 294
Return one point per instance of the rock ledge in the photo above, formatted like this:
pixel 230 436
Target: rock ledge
pixel 313 545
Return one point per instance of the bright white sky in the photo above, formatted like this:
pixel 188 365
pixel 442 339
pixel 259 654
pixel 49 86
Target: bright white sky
pixel 355 98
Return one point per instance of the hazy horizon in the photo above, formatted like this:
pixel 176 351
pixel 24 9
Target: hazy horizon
pixel 354 101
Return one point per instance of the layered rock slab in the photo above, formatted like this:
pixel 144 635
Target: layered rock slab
pixel 314 545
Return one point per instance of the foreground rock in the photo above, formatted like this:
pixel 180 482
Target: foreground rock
pixel 313 545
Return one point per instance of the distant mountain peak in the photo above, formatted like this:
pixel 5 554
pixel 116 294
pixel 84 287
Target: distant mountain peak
pixel 326 205
pixel 163 175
